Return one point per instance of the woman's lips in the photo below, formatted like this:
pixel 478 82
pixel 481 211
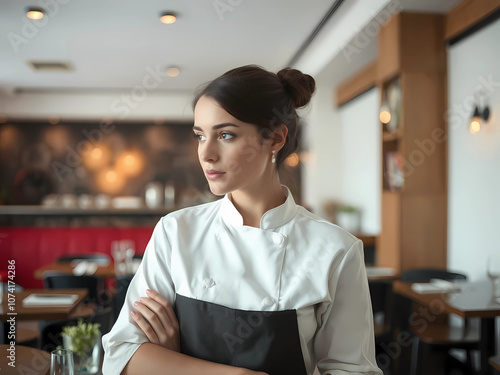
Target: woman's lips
pixel 214 175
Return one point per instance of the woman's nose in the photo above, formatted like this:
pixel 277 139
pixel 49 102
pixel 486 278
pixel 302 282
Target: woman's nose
pixel 208 152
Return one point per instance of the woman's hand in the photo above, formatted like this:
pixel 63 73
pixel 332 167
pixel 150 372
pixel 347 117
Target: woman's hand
pixel 157 320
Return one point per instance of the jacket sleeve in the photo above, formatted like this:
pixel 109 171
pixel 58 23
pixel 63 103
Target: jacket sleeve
pixel 153 273
pixel 344 342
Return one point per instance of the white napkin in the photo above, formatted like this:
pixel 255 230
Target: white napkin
pixel 91 268
pixel 49 300
pixel 380 271
pixel 435 286
pixel 80 268
pixel 85 268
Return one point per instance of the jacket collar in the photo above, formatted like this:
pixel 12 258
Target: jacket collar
pixel 273 218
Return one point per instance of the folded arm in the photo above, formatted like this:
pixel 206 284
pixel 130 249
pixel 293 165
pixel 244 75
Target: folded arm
pixel 154 359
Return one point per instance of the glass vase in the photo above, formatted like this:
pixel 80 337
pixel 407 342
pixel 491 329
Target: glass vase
pixel 86 352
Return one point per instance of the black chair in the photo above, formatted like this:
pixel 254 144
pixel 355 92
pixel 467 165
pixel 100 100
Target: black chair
pixel 122 283
pixel 100 258
pixel 434 335
pixel 50 336
pixel 381 300
pixel 60 281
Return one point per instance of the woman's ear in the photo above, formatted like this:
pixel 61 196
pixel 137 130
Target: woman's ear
pixel 279 136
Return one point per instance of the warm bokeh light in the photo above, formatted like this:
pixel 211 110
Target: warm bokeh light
pixel 54 120
pixel 34 14
pixel 110 181
pixel 168 18
pixel 475 125
pixel 385 116
pixel 10 138
pixel 57 137
pixel 292 160
pixel 97 158
pixel 3 119
pixel 96 153
pixel 130 163
pixel 173 71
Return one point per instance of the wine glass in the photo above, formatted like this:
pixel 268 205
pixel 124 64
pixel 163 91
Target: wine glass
pixel 493 271
pixel 61 362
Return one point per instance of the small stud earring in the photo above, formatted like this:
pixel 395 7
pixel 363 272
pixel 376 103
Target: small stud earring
pixel 273 158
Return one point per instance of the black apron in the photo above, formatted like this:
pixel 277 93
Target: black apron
pixel 257 340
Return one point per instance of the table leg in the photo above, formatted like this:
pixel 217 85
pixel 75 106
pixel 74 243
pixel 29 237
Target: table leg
pixel 487 343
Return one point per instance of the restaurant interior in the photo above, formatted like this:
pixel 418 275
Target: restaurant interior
pixel 400 146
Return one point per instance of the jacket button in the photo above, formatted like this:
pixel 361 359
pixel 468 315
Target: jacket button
pixel 278 238
pixel 268 302
pixel 208 282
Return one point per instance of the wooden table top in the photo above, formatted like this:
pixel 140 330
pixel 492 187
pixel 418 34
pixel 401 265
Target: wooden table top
pixel 474 300
pixel 40 312
pixel 28 361
pixel 495 362
pixel 67 268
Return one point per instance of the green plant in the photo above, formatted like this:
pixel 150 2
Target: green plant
pixel 82 336
pixel 346 208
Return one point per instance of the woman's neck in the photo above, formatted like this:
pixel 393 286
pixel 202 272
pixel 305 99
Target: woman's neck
pixel 253 203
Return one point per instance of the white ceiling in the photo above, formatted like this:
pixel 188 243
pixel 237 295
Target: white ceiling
pixel 111 44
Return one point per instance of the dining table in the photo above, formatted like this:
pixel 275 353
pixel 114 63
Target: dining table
pixel 12 308
pixel 470 300
pixel 12 305
pixel 68 268
pixel 92 268
pixel 27 360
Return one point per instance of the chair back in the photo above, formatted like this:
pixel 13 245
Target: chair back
pixel 425 274
pixel 122 283
pixel 59 281
pixel 50 336
pixel 99 258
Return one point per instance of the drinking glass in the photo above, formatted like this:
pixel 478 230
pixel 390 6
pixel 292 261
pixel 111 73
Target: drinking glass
pixel 61 362
pixel 493 271
pixel 118 257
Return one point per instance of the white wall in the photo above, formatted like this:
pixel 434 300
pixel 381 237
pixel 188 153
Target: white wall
pixel 134 104
pixel 322 141
pixel 474 160
pixel 360 157
pixel 345 163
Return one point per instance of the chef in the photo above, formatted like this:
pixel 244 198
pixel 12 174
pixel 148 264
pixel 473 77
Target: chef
pixel 252 283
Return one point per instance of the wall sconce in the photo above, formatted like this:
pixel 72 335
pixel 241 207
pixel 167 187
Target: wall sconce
pixel 479 115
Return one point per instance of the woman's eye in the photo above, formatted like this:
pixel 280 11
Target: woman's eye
pixel 227 135
pixel 199 137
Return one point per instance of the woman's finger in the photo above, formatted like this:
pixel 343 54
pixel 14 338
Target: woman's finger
pixel 166 305
pixel 159 310
pixel 145 327
pixel 152 318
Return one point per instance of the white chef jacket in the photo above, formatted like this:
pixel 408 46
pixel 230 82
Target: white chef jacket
pixel 295 260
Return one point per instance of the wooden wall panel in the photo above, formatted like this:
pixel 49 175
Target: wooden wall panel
pixel 389 240
pixel 389 54
pixel 466 14
pixel 423 231
pixel 357 85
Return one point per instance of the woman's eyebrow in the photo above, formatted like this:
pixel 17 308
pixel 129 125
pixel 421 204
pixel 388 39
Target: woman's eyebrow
pixel 218 126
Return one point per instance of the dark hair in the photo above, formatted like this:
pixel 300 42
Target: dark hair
pixel 253 95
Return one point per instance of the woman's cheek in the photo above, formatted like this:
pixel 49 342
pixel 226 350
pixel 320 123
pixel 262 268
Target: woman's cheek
pixel 234 166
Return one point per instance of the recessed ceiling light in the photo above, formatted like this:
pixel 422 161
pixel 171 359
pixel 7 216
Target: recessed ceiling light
pixel 173 71
pixel 35 13
pixel 168 18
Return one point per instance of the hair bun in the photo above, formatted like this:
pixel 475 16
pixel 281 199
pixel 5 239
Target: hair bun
pixel 299 86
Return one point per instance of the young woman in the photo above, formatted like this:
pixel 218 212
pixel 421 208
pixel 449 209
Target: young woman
pixel 251 282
